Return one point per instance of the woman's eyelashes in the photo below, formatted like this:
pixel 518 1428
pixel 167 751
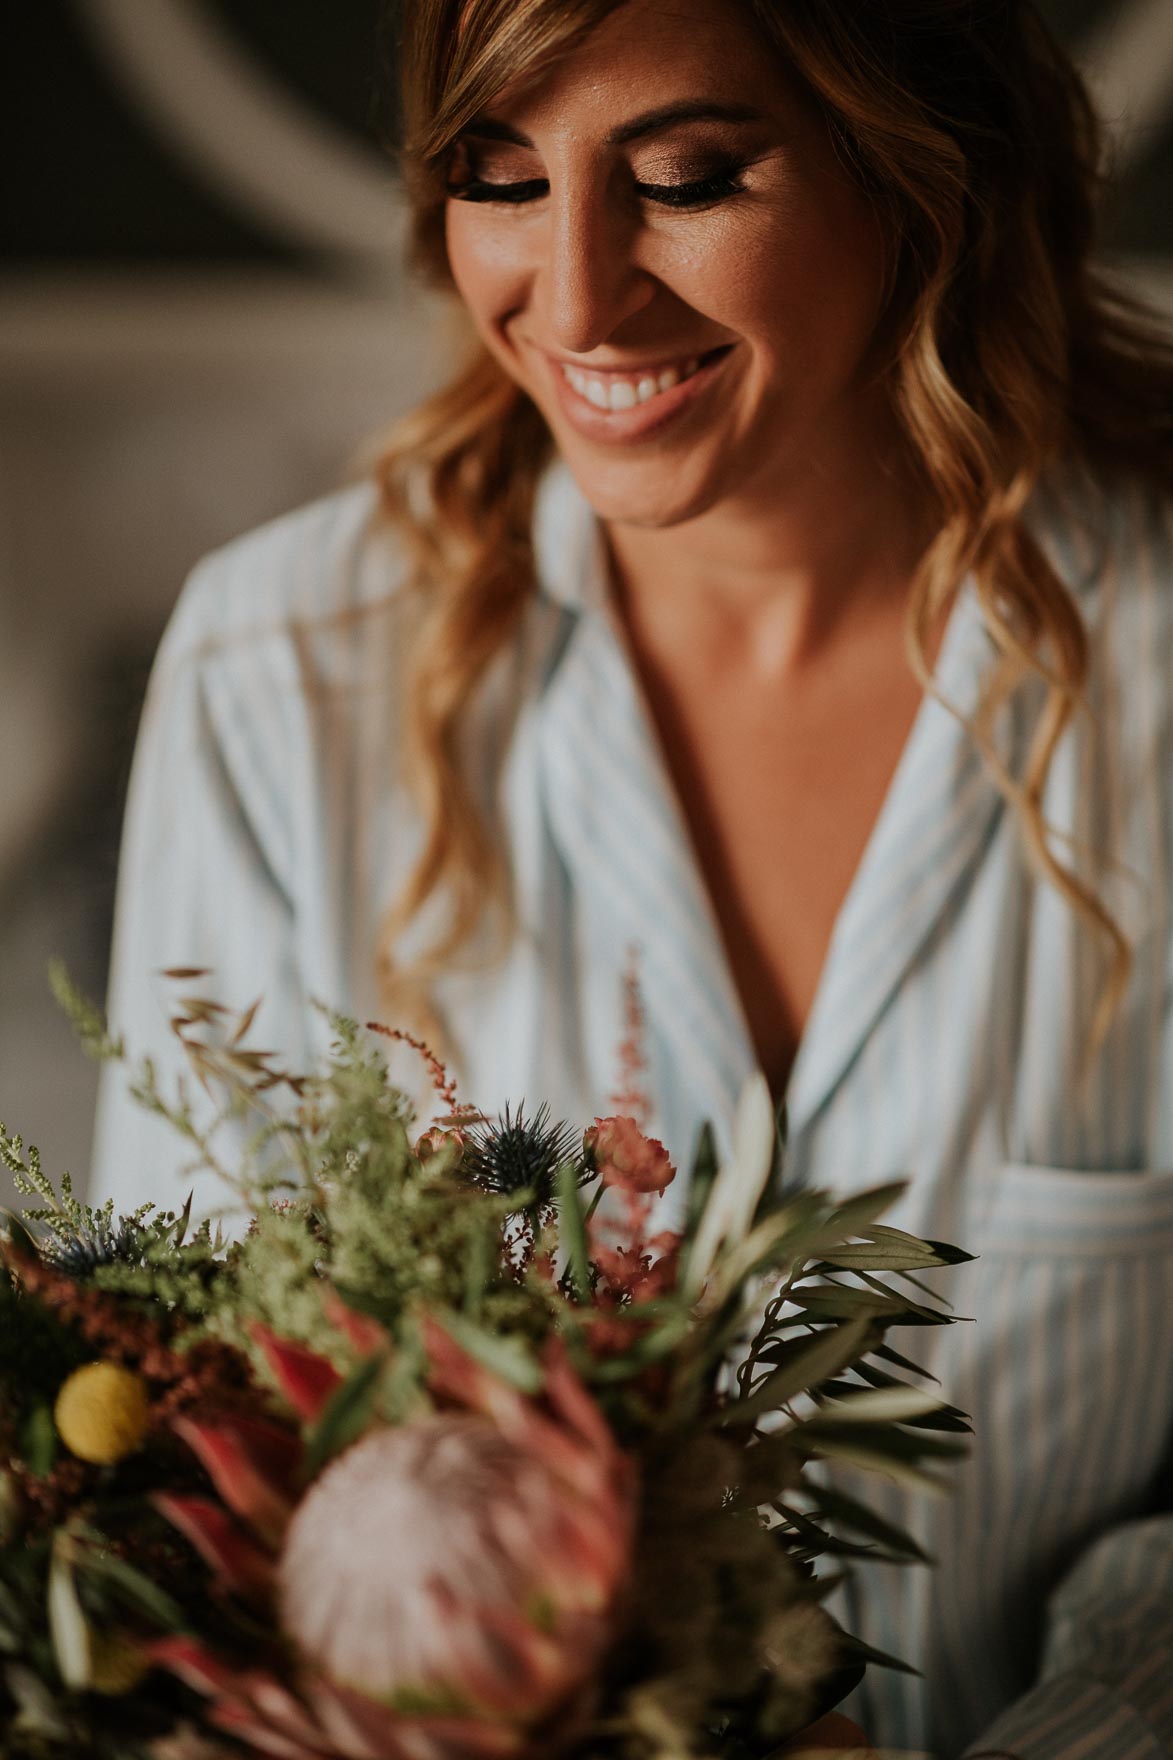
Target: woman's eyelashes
pixel 482 189
pixel 466 186
pixel 697 193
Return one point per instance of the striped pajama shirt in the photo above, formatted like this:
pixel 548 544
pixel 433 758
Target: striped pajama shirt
pixel 269 826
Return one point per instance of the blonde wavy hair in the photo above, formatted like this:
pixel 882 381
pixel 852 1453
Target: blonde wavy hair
pixel 1008 353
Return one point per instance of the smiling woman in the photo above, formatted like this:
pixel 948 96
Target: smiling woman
pixel 695 241
pixel 742 600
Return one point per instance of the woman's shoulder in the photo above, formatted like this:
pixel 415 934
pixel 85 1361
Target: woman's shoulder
pixel 1111 544
pixel 1127 600
pixel 1111 541
pixel 332 567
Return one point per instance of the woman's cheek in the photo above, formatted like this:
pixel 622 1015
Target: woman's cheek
pixel 464 260
pixel 486 260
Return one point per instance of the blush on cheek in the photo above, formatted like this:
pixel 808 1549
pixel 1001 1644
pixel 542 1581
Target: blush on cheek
pixel 484 263
pixel 491 286
pixel 460 258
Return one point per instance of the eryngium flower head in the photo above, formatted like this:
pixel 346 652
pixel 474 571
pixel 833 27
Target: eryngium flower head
pixel 81 1253
pixel 519 1154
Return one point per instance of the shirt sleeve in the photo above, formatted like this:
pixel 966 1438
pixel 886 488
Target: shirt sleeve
pixel 202 883
pixel 1105 1687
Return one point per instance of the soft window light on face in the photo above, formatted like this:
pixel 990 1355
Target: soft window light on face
pixel 659 245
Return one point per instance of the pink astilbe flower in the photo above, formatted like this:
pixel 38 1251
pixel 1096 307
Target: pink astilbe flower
pixel 449 1587
pixel 637 1270
pixel 630 1096
pixel 641 1272
pixel 625 1158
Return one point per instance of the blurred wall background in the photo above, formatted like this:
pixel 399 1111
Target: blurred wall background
pixel 204 321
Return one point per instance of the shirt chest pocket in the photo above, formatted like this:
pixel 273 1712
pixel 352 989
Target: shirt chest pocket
pixel 1069 1364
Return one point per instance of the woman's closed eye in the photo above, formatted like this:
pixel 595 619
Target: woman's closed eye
pixel 716 186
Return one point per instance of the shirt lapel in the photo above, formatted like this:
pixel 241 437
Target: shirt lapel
pixel 939 813
pixel 614 816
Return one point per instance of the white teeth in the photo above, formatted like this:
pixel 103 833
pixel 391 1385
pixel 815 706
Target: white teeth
pixel 616 393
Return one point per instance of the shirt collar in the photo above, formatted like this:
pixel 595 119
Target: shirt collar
pixel 569 547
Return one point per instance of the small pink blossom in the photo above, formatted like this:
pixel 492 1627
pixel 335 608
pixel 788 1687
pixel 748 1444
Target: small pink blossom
pixel 642 1272
pixel 625 1158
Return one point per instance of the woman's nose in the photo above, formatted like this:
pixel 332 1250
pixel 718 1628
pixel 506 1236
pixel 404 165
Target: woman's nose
pixel 590 280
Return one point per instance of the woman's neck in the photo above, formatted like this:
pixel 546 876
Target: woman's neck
pixel 785 567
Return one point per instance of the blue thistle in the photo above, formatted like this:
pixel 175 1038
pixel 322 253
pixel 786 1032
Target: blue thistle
pixel 84 1249
pixel 519 1154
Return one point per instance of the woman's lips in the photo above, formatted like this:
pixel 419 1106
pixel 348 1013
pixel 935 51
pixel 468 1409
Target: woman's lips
pixel 642 411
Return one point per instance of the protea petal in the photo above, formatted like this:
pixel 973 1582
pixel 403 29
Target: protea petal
pixel 571 1401
pixel 457 1376
pixel 365 1334
pixel 562 1454
pixel 582 1571
pixel 579 1451
pixel 306 1379
pixel 398 1736
pixel 247 1727
pixel 503 1660
pixel 251 1463
pixel 462 1738
pixel 285 1713
pixel 355 1726
pixel 253 1706
pixel 239 1563
pixel 194 1663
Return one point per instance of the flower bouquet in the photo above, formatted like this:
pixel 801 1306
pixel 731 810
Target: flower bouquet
pixel 455 1454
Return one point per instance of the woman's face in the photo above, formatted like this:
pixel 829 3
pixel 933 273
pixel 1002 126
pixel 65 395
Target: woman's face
pixel 659 245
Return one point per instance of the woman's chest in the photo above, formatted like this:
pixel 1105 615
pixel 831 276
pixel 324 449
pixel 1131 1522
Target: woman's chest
pixel 781 788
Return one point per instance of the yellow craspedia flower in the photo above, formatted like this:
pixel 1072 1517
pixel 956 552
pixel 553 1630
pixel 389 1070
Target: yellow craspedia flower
pixel 101 1413
pixel 9 1508
pixel 118 1665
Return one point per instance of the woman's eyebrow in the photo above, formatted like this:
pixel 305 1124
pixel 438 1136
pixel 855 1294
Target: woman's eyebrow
pixel 650 122
pixel 671 115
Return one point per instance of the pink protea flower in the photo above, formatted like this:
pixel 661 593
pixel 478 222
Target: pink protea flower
pixel 450 1586
pixel 626 1158
pixel 419 1560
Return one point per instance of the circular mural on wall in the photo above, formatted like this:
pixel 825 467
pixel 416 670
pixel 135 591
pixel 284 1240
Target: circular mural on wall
pixel 162 130
pixel 226 106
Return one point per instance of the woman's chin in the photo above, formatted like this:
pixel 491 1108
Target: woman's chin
pixel 654 498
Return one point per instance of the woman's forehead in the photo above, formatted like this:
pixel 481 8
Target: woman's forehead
pixel 648 55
